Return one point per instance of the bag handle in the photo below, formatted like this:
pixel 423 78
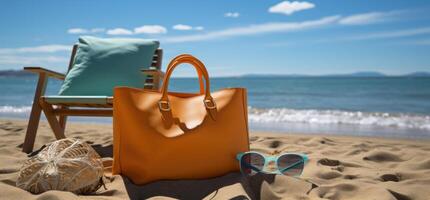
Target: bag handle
pixel 209 103
pixel 185 58
pixel 201 83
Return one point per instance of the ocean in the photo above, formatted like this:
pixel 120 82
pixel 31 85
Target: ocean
pixel 379 106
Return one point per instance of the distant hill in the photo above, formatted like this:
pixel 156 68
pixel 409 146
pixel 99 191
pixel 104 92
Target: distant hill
pixel 363 74
pixel 419 74
pixel 275 75
pixel 355 74
pixel 15 73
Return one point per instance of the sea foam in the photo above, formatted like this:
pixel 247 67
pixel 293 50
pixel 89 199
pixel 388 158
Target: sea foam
pixel 333 117
pixel 15 109
pixel 308 116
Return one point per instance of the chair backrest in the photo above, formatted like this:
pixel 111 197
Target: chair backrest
pixel 156 61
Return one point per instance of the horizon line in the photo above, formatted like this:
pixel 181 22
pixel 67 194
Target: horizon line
pixel 351 74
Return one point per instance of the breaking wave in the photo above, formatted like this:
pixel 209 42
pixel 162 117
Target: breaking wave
pixel 15 109
pixel 338 117
pixel 310 116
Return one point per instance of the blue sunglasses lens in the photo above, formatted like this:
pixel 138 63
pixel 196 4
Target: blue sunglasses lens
pixel 251 163
pixel 291 164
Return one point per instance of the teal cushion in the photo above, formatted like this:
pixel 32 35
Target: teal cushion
pixel 102 64
pixel 77 99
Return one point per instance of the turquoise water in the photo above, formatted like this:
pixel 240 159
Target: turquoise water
pixel 392 106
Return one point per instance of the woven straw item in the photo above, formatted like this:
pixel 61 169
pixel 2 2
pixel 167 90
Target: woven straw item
pixel 67 165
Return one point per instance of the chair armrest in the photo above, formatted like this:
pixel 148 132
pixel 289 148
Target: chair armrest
pixel 153 72
pixel 48 72
pixel 157 77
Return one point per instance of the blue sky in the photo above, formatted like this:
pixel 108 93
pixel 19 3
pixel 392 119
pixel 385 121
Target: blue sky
pixel 231 37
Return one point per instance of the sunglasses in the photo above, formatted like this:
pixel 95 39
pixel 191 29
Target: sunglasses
pixel 290 164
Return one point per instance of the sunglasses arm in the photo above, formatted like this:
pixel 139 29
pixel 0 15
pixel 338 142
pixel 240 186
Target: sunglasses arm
pixel 252 167
pixel 291 166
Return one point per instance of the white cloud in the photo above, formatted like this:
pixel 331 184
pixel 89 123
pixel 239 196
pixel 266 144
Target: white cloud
pixel 288 8
pixel 183 27
pixel 232 14
pixel 256 29
pixel 37 49
pixel 119 31
pixel 77 31
pixel 37 55
pixel 391 34
pixel 85 31
pixel 150 29
pixel 31 60
pixel 147 29
pixel 371 18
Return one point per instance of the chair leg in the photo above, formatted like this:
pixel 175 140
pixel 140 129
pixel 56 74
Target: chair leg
pixel 53 121
pixel 33 124
pixel 36 111
pixel 62 120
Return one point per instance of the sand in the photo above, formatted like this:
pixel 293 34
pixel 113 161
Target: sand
pixel 340 167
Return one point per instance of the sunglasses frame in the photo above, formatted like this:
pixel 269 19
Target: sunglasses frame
pixel 268 159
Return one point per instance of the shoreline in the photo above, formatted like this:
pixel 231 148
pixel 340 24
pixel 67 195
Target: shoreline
pixel 252 131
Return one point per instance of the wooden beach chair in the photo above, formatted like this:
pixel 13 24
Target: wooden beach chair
pixel 57 108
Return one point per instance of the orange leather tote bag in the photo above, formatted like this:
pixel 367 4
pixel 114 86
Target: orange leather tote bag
pixel 161 135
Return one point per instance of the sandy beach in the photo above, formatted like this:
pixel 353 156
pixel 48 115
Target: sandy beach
pixel 340 167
